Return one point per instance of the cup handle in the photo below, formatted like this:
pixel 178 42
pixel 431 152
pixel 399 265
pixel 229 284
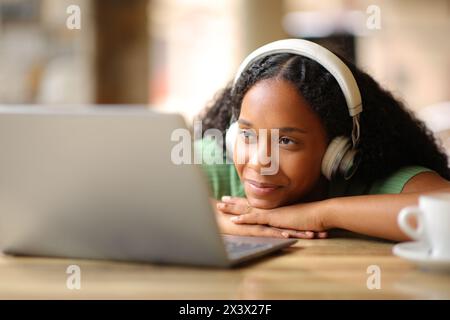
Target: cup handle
pixel 402 220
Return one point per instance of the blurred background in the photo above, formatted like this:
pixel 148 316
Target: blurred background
pixel 176 54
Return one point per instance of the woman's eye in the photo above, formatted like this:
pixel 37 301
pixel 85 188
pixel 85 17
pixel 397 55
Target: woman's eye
pixel 247 135
pixel 286 141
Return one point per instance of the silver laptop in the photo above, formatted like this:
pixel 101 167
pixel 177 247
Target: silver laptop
pixel 99 183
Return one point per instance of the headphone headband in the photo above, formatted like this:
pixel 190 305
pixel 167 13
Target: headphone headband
pixel 324 57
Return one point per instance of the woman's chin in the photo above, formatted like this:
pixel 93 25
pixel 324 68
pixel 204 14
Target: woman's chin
pixel 263 203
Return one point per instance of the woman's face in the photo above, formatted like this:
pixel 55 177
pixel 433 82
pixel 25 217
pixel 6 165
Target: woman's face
pixel 276 104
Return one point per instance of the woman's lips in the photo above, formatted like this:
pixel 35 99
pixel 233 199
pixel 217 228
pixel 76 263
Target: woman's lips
pixel 260 188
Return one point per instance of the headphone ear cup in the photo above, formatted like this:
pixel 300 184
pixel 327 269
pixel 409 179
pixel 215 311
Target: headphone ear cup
pixel 339 157
pixel 230 139
pixel 350 163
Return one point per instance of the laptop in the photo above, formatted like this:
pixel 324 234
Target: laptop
pixel 99 183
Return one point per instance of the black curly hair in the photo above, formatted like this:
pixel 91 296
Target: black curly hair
pixel 391 136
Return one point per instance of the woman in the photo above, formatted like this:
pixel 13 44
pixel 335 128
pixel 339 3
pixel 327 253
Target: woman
pixel 296 95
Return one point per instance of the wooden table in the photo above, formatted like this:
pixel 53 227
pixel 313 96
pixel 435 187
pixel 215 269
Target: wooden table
pixel 333 268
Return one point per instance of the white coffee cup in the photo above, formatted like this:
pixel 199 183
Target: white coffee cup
pixel 433 223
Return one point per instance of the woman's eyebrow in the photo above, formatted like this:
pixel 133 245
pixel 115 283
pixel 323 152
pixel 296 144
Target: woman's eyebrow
pixel 245 122
pixel 284 129
pixel 290 129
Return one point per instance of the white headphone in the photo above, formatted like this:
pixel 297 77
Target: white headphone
pixel 340 156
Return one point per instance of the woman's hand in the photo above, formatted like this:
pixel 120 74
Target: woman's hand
pixel 298 221
pixel 229 227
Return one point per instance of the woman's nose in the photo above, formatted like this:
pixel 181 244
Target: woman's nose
pixel 260 153
pixel 264 156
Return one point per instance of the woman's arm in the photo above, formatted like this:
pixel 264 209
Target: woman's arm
pixel 376 215
pixel 373 215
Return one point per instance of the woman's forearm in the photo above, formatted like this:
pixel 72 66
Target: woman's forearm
pixel 373 215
